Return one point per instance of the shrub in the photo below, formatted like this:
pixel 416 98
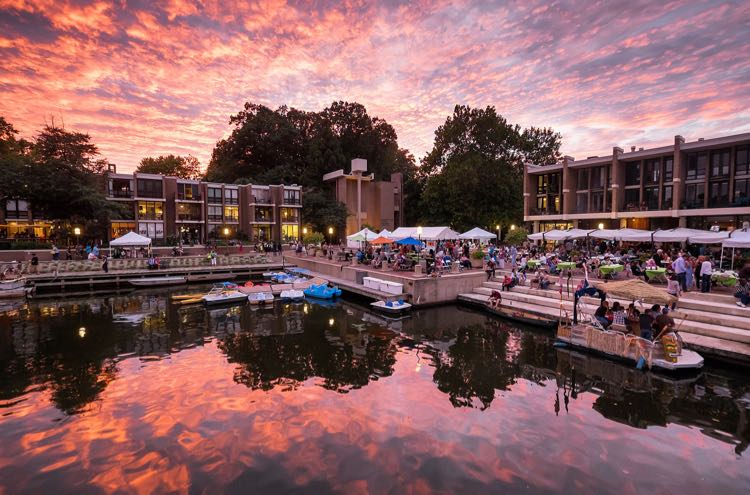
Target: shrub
pixel 478 254
pixel 313 238
pixel 517 236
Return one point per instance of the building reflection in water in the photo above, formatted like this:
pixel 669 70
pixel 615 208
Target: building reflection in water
pixel 341 347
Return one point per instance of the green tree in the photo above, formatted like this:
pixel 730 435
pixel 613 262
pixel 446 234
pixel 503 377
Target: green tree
pixel 321 211
pixel 516 236
pixel 184 167
pixel 473 174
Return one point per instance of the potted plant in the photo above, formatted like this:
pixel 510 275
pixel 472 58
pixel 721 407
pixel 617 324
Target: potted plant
pixel 477 259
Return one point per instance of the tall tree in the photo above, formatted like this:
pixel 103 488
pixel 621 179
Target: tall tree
pixel 184 167
pixel 473 174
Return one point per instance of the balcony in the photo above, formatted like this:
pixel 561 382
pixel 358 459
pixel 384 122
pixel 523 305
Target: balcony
pixel 538 211
pixel 188 218
pixel 262 200
pixel 190 197
pixel 692 205
pixel 292 201
pixel 120 193
pixel 215 218
pixel 231 201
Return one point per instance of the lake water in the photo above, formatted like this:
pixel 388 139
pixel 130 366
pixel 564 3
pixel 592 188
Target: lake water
pixel 137 395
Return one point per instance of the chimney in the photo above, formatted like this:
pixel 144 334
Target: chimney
pixel 632 148
pixel 640 149
pixel 617 150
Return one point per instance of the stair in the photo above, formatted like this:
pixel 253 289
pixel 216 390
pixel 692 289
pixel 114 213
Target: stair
pixel 709 323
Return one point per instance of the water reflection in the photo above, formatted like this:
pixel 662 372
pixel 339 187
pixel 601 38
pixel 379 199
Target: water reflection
pixel 312 386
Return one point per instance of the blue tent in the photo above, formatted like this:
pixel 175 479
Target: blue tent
pixel 409 241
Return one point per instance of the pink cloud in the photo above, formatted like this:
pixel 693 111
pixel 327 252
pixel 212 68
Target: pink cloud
pixel 165 78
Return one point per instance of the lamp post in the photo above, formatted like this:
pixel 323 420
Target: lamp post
pixel 497 227
pixel 226 237
pixel 513 227
pixel 77 232
pixel 330 235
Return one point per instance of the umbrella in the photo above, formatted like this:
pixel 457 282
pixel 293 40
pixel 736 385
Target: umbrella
pixel 409 241
pixel 382 240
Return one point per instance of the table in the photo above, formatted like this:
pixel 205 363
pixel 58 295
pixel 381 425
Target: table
pixel 608 270
pixel 532 263
pixel 656 274
pixel 566 265
pixel 724 279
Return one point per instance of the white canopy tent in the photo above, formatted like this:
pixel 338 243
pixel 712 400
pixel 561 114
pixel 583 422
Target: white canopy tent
pixel 549 235
pixel 708 237
pixel 478 234
pixel 676 235
pixel 578 233
pixel 428 233
pixel 131 239
pixel 737 239
pixel 633 235
pixel 385 233
pixel 356 239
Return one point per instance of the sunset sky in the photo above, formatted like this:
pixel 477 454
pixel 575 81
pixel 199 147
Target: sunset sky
pixel 146 78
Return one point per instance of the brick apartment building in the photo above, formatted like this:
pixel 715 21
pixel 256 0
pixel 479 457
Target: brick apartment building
pixel 698 184
pixel 161 207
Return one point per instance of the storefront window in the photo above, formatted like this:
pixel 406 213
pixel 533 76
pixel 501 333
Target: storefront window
pixel 289 233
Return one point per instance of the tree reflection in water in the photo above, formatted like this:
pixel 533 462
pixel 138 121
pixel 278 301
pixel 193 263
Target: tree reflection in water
pixel 342 357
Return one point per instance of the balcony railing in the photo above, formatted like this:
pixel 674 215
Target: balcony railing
pixel 16 214
pixel 120 193
pixel 193 197
pixel 692 205
pixel 262 200
pixel 538 211
pixel 215 218
pixel 231 201
pixel 292 201
pixel 188 218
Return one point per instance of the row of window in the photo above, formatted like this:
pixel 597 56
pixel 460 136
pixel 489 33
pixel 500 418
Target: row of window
pixel 654 171
pixel 231 196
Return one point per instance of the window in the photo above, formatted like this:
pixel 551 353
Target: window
pixel 553 184
pixel 742 161
pixel 720 163
pixel 694 195
pixel 632 198
pixel 120 188
pixel 231 213
pixel 289 233
pixel 541 184
pixel 214 195
pixel 214 214
pixel 153 230
pixel 121 228
pixel 597 201
pixel 668 169
pixel 263 214
pixel 598 178
pixel 188 212
pixel 696 165
pixel 651 171
pixel 291 197
pixel 556 204
pixel 15 208
pixel 189 192
pixel 719 193
pixel 541 204
pixel 633 173
pixel 150 210
pixel 289 215
pixel 261 196
pixel 582 202
pixel 231 196
pixel 261 233
pixel 583 179
pixel 666 198
pixel 651 197
pixel 741 192
pixel 149 188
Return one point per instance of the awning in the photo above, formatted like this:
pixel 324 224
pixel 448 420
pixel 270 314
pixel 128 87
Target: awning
pixel 738 239
pixel 477 233
pixel 130 239
pixel 428 233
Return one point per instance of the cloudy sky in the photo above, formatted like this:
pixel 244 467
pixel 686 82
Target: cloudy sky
pixel 153 77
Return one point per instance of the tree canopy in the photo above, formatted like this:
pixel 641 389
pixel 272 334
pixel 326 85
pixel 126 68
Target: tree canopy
pixel 57 172
pixel 184 167
pixel 473 174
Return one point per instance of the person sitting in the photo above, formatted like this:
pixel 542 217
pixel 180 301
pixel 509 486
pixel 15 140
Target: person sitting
pixel 632 320
pixel 601 314
pixel 743 293
pixel 495 299
pixel 618 314
pixel 465 262
pixel 508 283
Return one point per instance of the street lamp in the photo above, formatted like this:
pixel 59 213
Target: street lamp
pixel 497 227
pixel 77 232
pixel 513 227
pixel 330 235
pixel 226 235
pixel 601 226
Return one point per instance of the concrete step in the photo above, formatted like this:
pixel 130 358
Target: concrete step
pixel 720 306
pixel 719 295
pixel 705 344
pixel 722 329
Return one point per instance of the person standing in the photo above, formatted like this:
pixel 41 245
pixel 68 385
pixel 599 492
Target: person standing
pixel 490 269
pixel 706 271
pixel 34 263
pixel 679 269
pixel 105 265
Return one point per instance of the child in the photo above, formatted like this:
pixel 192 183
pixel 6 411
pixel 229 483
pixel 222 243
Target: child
pixel 674 289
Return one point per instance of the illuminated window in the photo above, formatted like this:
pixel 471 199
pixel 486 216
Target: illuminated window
pixel 150 210
pixel 289 232
pixel 231 213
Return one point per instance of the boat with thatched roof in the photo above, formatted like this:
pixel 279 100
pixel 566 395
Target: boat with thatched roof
pixel 666 353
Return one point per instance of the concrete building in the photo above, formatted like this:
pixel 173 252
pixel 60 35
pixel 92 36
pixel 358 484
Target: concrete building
pixel 696 184
pixel 375 203
pixel 160 207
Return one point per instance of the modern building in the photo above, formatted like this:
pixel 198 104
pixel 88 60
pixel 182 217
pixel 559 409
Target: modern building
pixel 699 184
pixel 376 203
pixel 163 207
pixel 17 221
